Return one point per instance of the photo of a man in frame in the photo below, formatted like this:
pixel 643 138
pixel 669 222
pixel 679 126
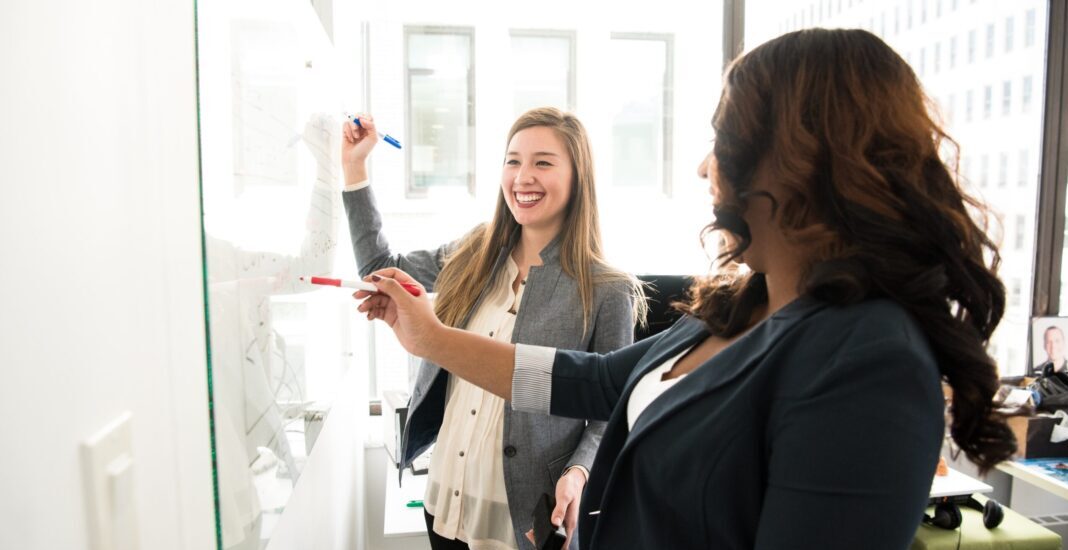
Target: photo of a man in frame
pixel 1050 357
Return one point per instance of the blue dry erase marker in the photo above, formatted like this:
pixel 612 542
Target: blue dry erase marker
pixel 385 137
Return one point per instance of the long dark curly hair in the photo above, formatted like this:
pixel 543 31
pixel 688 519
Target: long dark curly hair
pixel 840 121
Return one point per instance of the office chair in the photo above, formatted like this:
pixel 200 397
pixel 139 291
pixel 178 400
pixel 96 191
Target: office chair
pixel 660 292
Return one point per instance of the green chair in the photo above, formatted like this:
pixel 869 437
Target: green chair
pixel 1015 533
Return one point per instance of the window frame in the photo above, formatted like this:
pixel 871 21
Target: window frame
pixel 572 57
pixel 448 30
pixel 668 87
pixel 1050 213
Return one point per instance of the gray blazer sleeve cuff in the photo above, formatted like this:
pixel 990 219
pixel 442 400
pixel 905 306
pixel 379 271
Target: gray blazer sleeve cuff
pixel 532 380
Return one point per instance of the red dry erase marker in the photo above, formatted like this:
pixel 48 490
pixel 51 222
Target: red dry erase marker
pixel 358 285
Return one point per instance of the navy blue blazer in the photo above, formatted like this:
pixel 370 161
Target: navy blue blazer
pixel 820 428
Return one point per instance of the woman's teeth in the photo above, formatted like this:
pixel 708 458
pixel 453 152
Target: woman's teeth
pixel 527 198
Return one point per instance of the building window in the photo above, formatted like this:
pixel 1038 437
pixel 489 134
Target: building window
pixel 1003 169
pixel 1025 95
pixel 1029 28
pixel 923 61
pixel 440 111
pixel 969 97
pixel 1021 227
pixel 1022 168
pixel 1006 97
pixel 988 101
pixel 984 170
pixel 990 41
pixel 1009 24
pixel 937 56
pixel 952 52
pixel 641 109
pixel 971 46
pixel 543 70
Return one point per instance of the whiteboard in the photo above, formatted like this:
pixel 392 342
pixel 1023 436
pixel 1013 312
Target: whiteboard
pixel 270 140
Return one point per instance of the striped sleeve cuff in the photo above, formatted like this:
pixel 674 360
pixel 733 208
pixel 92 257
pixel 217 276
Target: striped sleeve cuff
pixel 358 185
pixel 532 380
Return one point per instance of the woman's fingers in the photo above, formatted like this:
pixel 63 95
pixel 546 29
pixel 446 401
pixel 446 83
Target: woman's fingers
pixel 392 273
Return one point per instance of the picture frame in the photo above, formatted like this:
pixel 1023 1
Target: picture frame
pixel 1048 335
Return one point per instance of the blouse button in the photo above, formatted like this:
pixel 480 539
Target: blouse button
pixel 491 334
pixel 472 411
pixel 456 493
pixel 509 451
pixel 461 453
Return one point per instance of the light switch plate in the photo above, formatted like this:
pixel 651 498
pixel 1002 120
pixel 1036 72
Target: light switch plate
pixel 107 467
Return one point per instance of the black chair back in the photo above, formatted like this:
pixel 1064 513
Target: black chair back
pixel 660 292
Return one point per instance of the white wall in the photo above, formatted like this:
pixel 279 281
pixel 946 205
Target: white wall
pixel 101 285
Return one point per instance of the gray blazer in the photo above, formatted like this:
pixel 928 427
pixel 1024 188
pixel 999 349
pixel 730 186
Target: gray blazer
pixel 536 448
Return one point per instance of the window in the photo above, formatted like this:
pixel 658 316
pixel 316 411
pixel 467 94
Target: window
pixel 1003 169
pixel 1025 95
pixel 1021 228
pixel 971 46
pixel 968 101
pixel 1009 24
pixel 1021 167
pixel 1029 28
pixel 937 56
pixel 984 170
pixel 923 61
pixel 897 20
pixel 988 101
pixel 542 64
pixel 951 107
pixel 1006 97
pixel 990 41
pixel 953 52
pixel 641 105
pixel 440 65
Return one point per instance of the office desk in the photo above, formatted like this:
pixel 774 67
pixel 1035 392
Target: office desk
pixel 1032 472
pixel 399 520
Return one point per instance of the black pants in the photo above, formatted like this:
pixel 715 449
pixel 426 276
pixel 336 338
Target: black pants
pixel 438 542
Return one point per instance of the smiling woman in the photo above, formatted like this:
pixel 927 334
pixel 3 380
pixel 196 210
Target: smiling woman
pixel 541 251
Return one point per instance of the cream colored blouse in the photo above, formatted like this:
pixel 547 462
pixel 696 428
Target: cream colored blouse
pixel 465 490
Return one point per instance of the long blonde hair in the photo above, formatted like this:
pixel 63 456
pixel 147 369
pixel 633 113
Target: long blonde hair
pixel 469 268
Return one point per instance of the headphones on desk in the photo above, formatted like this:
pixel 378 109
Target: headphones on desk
pixel 947 513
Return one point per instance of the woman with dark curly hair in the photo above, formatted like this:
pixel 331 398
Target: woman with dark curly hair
pixel 798 404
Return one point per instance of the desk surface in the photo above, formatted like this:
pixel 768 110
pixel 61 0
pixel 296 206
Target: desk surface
pixel 401 521
pixel 956 483
pixel 1037 473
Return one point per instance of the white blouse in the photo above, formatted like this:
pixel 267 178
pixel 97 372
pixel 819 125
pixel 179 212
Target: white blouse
pixel 465 488
pixel 650 387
